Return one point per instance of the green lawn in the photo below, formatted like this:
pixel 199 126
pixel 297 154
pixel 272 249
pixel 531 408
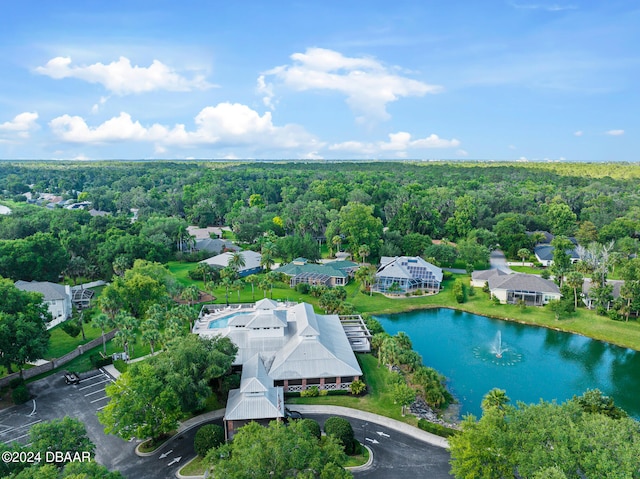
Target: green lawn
pixel 378 400
pixel 583 321
pixel 61 343
pixel 527 269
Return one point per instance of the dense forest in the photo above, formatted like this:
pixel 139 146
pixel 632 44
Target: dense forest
pixel 391 207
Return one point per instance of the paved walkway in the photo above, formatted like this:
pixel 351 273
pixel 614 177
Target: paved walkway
pixel 382 420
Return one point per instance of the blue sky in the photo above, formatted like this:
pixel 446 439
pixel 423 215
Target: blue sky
pixel 491 79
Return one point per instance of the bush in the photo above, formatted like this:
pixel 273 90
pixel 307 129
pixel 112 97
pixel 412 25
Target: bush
pixel 357 387
pixel 98 361
pixel 71 328
pixel 437 429
pixel 20 395
pixel 15 382
pixel 303 288
pixel 447 275
pixel 311 392
pixel 208 437
pixel 312 426
pixel 545 274
pixel 120 365
pixel 342 430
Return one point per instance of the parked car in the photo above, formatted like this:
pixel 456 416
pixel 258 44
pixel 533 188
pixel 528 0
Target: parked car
pixel 71 377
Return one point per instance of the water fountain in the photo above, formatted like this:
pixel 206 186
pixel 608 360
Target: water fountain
pixel 497 352
pixel 496 347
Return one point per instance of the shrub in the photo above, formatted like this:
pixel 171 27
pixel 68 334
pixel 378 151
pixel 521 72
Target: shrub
pixel 311 392
pixel 437 429
pixel 323 392
pixel 545 274
pixel 447 275
pixel 357 387
pixel 208 437
pixel 342 430
pixel 20 395
pixel 312 426
pixel 71 328
pixel 303 288
pixel 15 382
pixel 98 361
pixel 120 365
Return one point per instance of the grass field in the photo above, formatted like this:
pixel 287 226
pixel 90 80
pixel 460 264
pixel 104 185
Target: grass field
pixel 378 400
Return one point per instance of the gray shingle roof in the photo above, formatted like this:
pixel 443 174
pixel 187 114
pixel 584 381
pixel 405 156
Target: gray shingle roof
pixel 523 282
pixel 51 291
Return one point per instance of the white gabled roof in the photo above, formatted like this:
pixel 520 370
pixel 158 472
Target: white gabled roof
pixel 254 376
pixel 266 303
pixel 306 320
pixel 267 319
pixel 327 354
pixel 257 398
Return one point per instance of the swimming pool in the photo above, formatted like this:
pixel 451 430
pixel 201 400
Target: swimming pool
pixel 224 321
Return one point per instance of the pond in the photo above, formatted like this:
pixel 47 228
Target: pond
pixel 477 354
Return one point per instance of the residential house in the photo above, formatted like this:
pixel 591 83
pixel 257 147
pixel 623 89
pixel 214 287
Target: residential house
pixel 333 273
pixel 251 262
pixel 215 245
pixel 616 286
pixel 510 288
pixel 405 274
pixel 544 254
pixel 57 297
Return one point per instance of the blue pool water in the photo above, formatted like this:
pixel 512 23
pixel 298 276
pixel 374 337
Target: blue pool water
pixel 224 321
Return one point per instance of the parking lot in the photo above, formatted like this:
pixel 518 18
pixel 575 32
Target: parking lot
pixel 51 399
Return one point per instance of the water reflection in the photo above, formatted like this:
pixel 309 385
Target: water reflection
pixel 549 364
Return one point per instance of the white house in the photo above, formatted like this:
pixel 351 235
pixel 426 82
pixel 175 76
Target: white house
pixel 403 274
pixel 509 288
pixel 57 297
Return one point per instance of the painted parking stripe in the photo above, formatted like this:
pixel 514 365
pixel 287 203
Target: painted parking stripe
pixel 20 427
pixel 95 392
pixel 94 384
pixel 99 399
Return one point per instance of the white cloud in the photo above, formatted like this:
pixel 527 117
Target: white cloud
pixel 96 107
pixel 462 152
pixel 122 78
pixel 578 133
pixel 367 83
pixel 615 132
pixel 225 124
pixel 399 143
pixel 22 123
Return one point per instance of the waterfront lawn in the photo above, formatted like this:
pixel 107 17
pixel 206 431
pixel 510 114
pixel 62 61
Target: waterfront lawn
pixel 582 321
pixel 378 399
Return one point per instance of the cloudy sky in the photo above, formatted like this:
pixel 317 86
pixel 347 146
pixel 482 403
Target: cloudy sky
pixel 332 79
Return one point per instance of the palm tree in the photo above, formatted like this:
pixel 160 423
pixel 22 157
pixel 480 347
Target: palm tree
pixel 190 294
pixel 496 398
pixel 575 279
pixel 267 254
pixel 364 251
pixel 236 261
pixel 337 241
pixel 103 322
pixel 204 270
pixel 150 333
pixel 237 285
pixel 120 265
pixel 523 253
pixel 252 279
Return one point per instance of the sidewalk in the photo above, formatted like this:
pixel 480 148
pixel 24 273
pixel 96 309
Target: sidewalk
pixel 375 418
